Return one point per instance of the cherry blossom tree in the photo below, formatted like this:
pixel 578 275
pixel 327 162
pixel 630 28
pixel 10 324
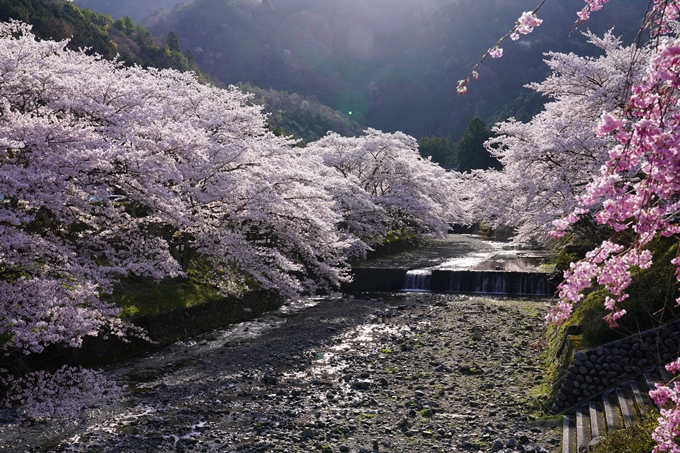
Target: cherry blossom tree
pixel 388 186
pixel 548 161
pixel 645 206
pixel 110 171
pixel 636 193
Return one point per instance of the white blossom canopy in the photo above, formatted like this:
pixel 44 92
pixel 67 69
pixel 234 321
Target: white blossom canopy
pixel 108 171
pixel 548 161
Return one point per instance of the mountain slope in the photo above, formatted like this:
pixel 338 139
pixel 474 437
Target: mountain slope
pixel 135 9
pixel 395 64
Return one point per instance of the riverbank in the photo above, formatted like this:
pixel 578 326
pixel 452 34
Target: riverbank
pixel 400 372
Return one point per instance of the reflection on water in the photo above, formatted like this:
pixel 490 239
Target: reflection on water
pixel 504 261
pixel 465 252
pixel 465 262
pixel 470 264
pixel 514 264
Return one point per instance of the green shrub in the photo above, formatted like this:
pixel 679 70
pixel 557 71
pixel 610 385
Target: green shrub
pixel 636 439
pixel 137 296
pixel 651 302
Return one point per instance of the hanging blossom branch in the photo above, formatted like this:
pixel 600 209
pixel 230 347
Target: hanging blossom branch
pixel 648 206
pixel 637 191
pixel 664 12
pixel 658 17
pixel 524 25
pixel 648 135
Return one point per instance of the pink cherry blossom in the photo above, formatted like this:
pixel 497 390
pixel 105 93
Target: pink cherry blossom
pixel 109 172
pixel 646 205
pixel 495 52
pixel 527 21
pixel 609 123
pixel 622 171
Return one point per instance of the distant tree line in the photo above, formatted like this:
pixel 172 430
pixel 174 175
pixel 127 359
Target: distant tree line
pixel 469 153
pixel 303 117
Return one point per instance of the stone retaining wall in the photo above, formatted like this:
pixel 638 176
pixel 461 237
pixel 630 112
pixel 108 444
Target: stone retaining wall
pixel 163 328
pixel 595 370
pixel 375 279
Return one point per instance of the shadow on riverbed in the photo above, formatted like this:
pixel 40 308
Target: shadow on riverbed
pixel 352 373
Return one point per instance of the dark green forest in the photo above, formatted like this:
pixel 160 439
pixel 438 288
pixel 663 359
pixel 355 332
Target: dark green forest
pixel 137 10
pixel 303 117
pixel 84 28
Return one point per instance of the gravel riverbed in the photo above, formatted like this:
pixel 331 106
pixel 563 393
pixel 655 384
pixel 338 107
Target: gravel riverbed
pixel 407 372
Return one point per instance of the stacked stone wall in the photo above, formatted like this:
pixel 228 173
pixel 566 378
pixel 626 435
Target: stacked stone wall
pixel 595 370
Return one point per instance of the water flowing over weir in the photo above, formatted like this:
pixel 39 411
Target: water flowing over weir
pixel 335 359
pixel 493 282
pixel 462 264
pixel 479 282
pixel 418 280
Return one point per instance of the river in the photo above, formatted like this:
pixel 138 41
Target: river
pixel 402 372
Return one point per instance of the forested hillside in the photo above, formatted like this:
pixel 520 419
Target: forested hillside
pixel 394 65
pixel 129 42
pixel 303 117
pixel 137 10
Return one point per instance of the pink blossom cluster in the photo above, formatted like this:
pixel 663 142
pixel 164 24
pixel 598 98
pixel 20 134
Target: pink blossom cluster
pixel 638 190
pixel 609 265
pixel 59 394
pixel 609 123
pixel 664 13
pixel 591 5
pixel 668 430
pixel 462 88
pixel 526 24
pixel 648 145
pixel 495 52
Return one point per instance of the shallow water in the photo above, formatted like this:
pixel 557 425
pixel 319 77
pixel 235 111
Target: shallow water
pixel 466 252
pixel 243 387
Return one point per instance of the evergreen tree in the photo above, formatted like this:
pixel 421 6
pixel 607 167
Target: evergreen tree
pixel 470 153
pixel 125 25
pixel 438 148
pixel 191 60
pixel 173 42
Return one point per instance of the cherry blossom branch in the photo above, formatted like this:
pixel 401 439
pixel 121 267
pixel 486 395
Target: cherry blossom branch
pixel 524 25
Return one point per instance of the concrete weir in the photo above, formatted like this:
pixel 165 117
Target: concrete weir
pixel 492 282
pixel 460 263
pixel 452 281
